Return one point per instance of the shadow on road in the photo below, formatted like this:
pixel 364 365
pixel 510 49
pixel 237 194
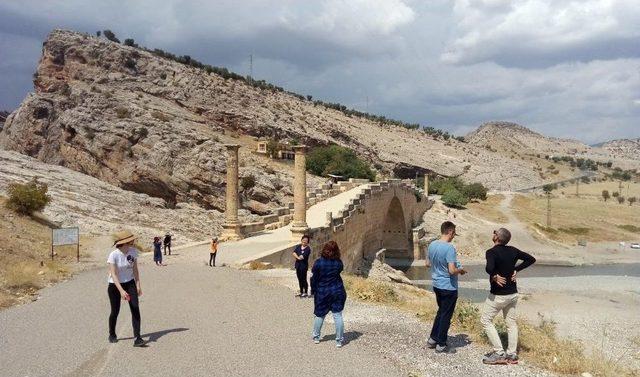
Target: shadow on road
pixel 154 336
pixel 349 336
pixel 459 341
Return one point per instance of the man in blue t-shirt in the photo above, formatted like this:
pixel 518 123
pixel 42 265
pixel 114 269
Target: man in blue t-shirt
pixel 445 269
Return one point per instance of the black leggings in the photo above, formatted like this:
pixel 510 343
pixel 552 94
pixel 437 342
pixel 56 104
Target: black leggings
pixel 212 259
pixel 115 299
pixel 167 246
pixel 301 273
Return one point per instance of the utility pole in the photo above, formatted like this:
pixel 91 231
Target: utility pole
pixel 577 187
pixel 620 187
pixel 548 210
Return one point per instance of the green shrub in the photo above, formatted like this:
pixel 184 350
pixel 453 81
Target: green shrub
pixel 338 160
pixel 248 182
pixel 26 198
pixel 630 228
pixel 454 198
pixel 475 191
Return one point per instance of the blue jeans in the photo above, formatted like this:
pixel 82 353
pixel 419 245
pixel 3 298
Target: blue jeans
pixel 337 318
pixel 446 304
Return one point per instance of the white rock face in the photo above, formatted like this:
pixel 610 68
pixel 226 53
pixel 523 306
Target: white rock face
pixel 153 125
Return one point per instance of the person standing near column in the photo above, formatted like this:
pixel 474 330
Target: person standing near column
pixel 157 253
pixel 213 252
pixel 167 243
pixel 301 254
pixel 445 269
pixel 502 270
pixel 124 284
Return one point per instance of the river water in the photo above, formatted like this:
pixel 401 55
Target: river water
pixel 422 275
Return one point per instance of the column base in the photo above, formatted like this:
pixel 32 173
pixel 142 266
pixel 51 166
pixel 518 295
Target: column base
pixel 298 230
pixel 231 232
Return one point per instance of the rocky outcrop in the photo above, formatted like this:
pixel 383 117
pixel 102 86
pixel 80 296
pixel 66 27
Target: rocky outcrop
pixel 156 126
pixel 624 148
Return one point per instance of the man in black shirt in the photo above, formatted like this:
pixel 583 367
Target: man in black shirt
pixel 502 270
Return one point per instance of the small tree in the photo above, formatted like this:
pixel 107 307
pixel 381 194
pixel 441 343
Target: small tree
pixel 475 191
pixel 548 188
pixel 28 197
pixel 130 42
pixel 615 194
pixel 632 200
pixel 454 198
pixel 605 195
pixel 272 148
pixel 110 36
pixel 620 199
pixel 98 33
pixel 248 182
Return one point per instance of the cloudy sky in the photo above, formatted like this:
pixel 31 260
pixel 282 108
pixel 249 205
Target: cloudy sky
pixel 563 68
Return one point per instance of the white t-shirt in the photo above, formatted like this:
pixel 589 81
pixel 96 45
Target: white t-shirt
pixel 124 264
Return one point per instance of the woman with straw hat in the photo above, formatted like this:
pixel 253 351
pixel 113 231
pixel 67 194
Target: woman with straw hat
pixel 124 284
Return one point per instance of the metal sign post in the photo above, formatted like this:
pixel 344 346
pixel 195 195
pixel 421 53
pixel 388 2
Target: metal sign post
pixel 66 236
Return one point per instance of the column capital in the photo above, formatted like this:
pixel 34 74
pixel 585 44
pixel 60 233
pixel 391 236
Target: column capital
pixel 232 147
pixel 300 148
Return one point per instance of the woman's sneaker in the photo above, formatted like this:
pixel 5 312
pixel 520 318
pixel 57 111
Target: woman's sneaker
pixel 512 358
pixel 139 342
pixel 494 358
pixel 338 344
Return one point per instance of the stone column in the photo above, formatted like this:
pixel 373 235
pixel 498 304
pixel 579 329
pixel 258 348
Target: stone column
pixel 231 226
pixel 426 185
pixel 299 225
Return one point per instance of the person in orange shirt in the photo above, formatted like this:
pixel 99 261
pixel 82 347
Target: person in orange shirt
pixel 213 252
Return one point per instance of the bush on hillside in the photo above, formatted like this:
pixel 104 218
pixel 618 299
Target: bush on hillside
pixel 334 159
pixel 454 198
pixel 475 191
pixel 26 198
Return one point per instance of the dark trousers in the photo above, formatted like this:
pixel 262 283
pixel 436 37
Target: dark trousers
pixel 446 305
pixel 301 273
pixel 167 246
pixel 212 259
pixel 115 299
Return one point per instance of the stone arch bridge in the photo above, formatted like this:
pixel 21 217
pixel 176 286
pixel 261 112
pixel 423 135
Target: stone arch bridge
pixel 373 217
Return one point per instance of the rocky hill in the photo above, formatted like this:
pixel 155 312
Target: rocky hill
pixel 100 208
pixel 623 148
pixel 156 126
pixel 513 140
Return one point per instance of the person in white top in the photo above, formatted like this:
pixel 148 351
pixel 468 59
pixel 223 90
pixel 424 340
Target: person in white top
pixel 124 284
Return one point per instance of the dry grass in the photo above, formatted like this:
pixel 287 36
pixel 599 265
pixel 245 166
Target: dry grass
pixel 538 344
pixel 22 275
pixel 586 218
pixel 255 265
pixel 489 209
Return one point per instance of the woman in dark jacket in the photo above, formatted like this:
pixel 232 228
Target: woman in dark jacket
pixel 301 254
pixel 329 292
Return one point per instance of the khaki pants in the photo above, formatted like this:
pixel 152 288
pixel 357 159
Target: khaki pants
pixel 507 305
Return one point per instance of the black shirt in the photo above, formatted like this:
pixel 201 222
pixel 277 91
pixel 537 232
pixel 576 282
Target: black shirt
pixel 501 260
pixel 304 253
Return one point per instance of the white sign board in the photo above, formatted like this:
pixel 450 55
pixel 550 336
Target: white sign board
pixel 66 236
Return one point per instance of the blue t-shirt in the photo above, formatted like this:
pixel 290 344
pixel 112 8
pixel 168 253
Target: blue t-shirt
pixel 440 255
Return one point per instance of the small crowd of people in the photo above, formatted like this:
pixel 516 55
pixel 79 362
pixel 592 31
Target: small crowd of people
pixel 329 294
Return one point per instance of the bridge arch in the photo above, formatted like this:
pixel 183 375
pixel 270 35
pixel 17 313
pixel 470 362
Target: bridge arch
pixel 395 233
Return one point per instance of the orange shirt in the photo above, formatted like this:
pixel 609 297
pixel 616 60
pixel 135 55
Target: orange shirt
pixel 214 247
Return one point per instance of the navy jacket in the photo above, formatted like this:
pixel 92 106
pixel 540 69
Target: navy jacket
pixel 327 287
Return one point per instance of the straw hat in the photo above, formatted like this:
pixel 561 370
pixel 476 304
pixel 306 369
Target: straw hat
pixel 123 237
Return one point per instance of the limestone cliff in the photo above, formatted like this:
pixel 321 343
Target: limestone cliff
pixel 155 126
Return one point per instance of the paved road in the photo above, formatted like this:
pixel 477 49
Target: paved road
pixel 200 321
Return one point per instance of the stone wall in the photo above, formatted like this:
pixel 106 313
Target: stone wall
pixel 383 215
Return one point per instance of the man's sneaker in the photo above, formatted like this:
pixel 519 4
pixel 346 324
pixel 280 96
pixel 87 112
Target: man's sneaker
pixel 316 340
pixel 113 339
pixel 338 344
pixel 303 295
pixel 494 358
pixel 431 343
pixel 139 342
pixel 512 358
pixel 443 349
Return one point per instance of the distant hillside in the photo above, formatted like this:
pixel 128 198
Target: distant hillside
pixel 623 148
pixel 515 141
